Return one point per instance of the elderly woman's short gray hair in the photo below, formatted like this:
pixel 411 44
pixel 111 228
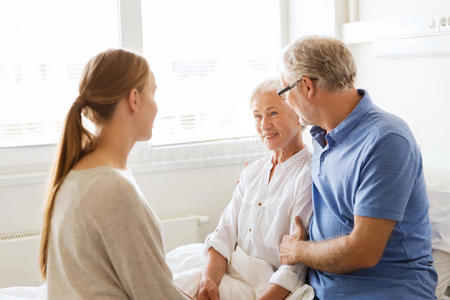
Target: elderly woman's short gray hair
pixel 268 85
pixel 327 59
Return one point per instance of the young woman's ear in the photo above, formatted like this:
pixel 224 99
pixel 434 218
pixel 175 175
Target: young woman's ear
pixel 133 100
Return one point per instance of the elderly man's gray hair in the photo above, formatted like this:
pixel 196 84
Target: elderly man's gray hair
pixel 327 59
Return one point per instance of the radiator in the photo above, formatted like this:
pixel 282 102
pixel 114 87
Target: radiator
pixel 19 259
pixel 19 251
pixel 181 230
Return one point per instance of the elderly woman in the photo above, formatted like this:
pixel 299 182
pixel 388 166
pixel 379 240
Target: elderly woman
pixel 273 193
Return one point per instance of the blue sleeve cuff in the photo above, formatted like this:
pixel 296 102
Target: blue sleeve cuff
pixel 365 211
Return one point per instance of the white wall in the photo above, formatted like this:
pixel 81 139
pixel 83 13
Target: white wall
pixel 418 90
pixel 191 191
pixel 318 17
pixel 202 191
pixel 369 10
pixel 177 180
pixel 415 87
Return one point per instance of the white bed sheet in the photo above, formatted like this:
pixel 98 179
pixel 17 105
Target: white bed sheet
pixel 246 277
pixel 24 293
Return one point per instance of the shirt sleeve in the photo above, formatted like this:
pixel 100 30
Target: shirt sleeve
pixel 224 238
pixel 387 178
pixel 291 277
pixel 131 240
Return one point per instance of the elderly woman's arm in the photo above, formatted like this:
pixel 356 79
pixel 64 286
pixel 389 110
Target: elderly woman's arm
pixel 273 292
pixel 216 265
pixel 220 244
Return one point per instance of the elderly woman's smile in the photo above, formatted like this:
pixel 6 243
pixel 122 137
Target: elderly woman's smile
pixel 276 123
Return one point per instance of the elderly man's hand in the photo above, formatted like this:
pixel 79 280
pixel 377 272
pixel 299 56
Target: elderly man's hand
pixel 291 244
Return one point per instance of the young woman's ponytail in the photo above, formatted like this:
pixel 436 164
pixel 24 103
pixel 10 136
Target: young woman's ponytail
pixel 75 143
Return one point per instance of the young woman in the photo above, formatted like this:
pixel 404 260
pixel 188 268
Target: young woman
pixel 100 239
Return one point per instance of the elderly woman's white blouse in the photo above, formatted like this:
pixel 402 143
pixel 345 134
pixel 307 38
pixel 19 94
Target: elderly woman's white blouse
pixel 261 212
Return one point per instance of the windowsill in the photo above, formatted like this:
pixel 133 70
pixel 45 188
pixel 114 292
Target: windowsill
pixel 32 165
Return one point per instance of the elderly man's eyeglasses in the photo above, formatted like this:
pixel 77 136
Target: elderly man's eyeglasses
pixel 283 92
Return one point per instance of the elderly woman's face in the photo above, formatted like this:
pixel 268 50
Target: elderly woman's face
pixel 276 123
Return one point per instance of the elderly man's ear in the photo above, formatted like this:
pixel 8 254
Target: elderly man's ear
pixel 309 86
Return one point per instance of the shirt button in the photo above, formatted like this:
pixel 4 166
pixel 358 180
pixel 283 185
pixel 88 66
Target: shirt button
pixel 250 230
pixel 259 203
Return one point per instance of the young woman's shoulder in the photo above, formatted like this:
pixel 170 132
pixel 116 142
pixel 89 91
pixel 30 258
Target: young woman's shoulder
pixel 109 189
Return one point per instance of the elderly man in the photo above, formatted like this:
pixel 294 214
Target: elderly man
pixel 370 232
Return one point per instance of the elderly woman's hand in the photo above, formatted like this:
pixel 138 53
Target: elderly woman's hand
pixel 291 244
pixel 208 290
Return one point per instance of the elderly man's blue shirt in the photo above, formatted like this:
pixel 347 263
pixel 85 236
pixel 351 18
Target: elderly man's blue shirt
pixel 370 165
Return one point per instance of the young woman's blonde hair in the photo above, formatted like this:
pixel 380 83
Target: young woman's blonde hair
pixel 324 58
pixel 106 80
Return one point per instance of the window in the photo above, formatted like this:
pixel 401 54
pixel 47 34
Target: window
pixel 207 56
pixel 44 46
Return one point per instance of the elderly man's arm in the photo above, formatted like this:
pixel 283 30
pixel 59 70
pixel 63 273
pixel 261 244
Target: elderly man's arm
pixel 362 248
